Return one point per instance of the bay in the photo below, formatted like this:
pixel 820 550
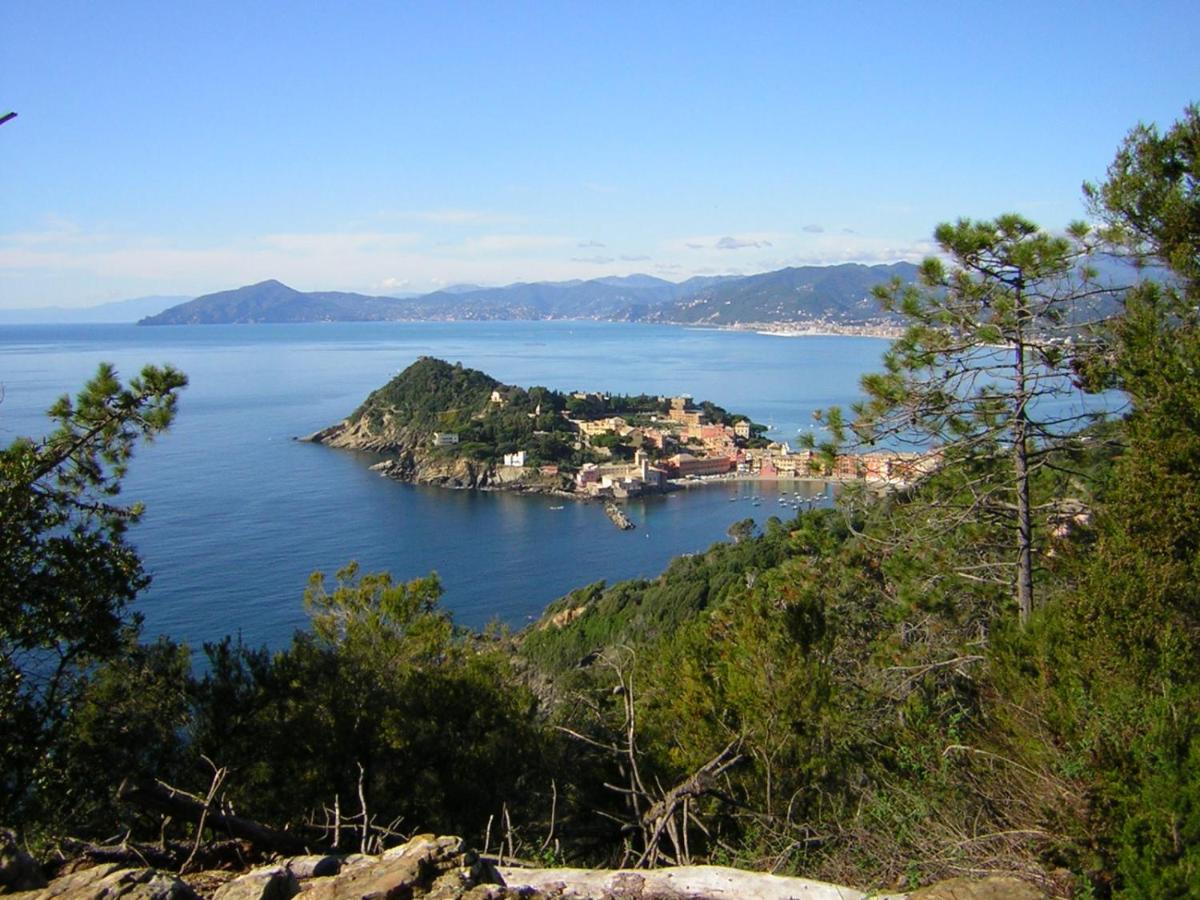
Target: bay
pixel 239 514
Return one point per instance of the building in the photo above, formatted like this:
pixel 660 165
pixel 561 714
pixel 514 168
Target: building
pixel 516 460
pixel 621 479
pixel 445 438
pixel 684 416
pixel 741 428
pixel 717 439
pixel 588 474
pixel 594 427
pixel 655 437
pixel 846 466
pixel 684 465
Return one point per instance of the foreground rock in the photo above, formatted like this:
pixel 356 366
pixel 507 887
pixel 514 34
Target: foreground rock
pixel 110 881
pixel 442 868
pixel 691 882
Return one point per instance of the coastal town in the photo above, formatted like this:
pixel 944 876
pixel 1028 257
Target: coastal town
pixel 652 452
pixel 444 424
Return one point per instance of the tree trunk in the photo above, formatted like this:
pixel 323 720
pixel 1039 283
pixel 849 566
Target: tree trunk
pixel 1021 470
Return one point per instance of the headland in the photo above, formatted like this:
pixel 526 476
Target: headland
pixel 442 424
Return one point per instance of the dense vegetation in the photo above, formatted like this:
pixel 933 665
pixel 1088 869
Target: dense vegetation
pixel 492 419
pixel 855 694
pixel 429 395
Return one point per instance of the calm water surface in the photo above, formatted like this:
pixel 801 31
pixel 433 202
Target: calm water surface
pixel 239 514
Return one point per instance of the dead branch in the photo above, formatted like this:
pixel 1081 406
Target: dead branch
pixel 160 797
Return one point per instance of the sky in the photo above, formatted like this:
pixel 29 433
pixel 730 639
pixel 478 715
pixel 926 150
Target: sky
pixel 399 147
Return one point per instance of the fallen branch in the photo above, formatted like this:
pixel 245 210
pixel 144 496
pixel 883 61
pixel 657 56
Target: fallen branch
pixel 157 796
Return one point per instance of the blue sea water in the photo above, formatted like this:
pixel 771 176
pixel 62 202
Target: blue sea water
pixel 238 514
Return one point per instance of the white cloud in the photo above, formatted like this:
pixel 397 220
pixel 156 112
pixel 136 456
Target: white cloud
pixel 732 243
pixel 726 242
pixel 63 262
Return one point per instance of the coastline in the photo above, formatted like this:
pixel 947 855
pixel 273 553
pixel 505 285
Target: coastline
pixel 879 330
pixel 384 470
pixel 803 328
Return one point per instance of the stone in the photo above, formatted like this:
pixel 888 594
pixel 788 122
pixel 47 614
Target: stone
pixel 272 883
pixel 691 882
pixel 396 875
pixel 110 882
pixel 304 867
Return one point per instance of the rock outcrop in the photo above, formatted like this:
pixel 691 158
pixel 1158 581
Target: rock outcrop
pixel 443 868
pixel 109 881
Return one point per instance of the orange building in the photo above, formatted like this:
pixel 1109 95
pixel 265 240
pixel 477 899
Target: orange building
pixel 684 464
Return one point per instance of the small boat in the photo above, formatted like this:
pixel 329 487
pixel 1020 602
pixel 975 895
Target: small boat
pixel 556 507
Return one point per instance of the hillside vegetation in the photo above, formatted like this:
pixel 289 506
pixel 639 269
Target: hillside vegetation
pixel 991 670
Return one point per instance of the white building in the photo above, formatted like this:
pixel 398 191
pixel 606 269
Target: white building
pixel 445 438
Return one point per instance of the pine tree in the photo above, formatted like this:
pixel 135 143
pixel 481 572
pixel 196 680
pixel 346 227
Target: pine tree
pixel 983 377
pixel 67 574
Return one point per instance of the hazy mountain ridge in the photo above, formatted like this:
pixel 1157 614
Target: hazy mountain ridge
pixel 273 301
pixel 812 292
pixel 808 292
pixel 113 312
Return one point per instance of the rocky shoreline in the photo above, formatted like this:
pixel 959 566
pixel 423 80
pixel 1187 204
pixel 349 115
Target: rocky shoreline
pixel 412 465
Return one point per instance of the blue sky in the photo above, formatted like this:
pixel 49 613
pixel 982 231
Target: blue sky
pixel 171 148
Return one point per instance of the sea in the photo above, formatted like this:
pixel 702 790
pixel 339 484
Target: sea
pixel 239 514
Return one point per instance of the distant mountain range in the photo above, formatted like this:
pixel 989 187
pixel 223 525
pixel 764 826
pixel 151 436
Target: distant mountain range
pixel 840 293
pixel 106 313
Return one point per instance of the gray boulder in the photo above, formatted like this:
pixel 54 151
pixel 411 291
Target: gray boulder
pixel 110 882
pixel 272 883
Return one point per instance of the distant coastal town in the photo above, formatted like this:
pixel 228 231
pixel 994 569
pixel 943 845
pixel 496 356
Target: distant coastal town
pixel 823 327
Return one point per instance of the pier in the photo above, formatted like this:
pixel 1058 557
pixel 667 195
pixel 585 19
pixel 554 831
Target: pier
pixel 618 517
